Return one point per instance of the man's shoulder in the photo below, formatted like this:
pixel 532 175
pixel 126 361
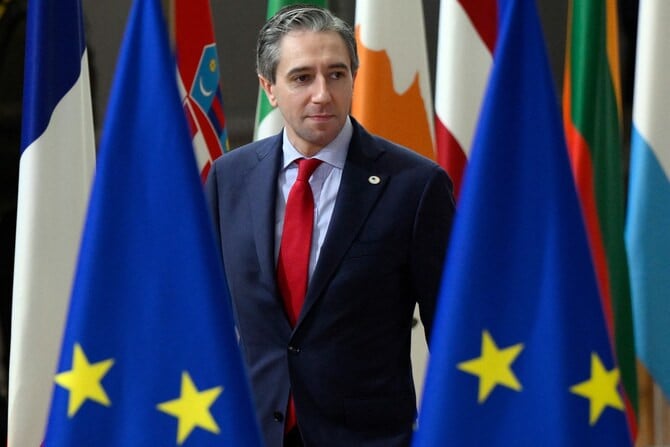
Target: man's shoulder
pixel 250 152
pixel 395 153
pixel 390 150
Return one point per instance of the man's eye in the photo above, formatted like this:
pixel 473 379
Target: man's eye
pixel 301 78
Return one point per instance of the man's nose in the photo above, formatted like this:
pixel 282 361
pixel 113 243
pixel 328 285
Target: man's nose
pixel 321 91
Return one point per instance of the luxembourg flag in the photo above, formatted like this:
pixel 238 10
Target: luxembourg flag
pixel 466 39
pixel 56 168
pixel 647 237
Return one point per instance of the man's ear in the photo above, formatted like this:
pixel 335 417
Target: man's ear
pixel 268 87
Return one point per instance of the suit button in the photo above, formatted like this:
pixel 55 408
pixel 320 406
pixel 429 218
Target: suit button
pixel 278 416
pixel 294 350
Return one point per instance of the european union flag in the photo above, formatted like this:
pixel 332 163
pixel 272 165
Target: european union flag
pixel 149 355
pixel 520 354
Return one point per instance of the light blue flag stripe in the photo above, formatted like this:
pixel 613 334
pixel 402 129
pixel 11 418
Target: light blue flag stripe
pixel 648 242
pixel 648 219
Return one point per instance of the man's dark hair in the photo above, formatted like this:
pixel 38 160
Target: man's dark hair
pixel 298 18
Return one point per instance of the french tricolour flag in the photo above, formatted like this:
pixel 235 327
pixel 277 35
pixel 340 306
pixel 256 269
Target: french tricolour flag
pixel 56 168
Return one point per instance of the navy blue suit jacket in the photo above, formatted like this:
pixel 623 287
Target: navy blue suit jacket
pixel 347 361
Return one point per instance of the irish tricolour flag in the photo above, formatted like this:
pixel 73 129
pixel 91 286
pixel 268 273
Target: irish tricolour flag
pixel 268 119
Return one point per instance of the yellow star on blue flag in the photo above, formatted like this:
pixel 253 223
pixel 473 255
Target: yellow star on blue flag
pixel 192 408
pixel 493 367
pixel 84 381
pixel 601 389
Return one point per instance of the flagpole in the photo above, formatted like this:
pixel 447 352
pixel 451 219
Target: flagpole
pixel 661 417
pixel 654 416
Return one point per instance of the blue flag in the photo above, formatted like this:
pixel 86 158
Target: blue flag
pixel 520 353
pixel 149 355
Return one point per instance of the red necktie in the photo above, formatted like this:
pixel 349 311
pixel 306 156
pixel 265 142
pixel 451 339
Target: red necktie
pixel 293 262
pixel 296 241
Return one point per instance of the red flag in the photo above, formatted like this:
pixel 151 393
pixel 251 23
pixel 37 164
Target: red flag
pixel 198 65
pixel 466 39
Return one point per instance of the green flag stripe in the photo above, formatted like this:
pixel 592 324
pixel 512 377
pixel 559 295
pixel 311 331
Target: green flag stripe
pixel 595 114
pixel 263 104
pixel 276 5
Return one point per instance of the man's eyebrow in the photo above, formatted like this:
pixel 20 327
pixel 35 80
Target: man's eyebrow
pixel 297 70
pixel 339 65
pixel 306 68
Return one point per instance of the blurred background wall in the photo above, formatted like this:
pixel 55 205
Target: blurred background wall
pixel 236 25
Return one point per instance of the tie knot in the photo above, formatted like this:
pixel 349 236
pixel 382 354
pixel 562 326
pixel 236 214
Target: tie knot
pixel 306 167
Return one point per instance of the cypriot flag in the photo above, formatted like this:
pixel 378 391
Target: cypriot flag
pixel 392 96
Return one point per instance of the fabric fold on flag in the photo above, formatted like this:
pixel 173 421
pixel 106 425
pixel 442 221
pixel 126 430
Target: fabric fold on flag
pixel 149 355
pixel 200 81
pixel 520 353
pixel 648 220
pixel 55 172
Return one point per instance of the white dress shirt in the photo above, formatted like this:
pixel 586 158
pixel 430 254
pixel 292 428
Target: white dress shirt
pixel 325 183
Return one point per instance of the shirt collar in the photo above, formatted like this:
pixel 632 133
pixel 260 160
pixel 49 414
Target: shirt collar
pixel 334 153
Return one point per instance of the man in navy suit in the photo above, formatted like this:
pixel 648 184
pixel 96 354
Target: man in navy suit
pixel 382 215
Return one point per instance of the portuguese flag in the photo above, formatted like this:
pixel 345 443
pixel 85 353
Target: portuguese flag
pixel 592 120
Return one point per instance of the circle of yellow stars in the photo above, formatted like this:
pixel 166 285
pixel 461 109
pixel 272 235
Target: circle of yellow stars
pixel 494 368
pixel 191 408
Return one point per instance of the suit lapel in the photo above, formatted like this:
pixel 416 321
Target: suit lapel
pixel 360 187
pixel 261 195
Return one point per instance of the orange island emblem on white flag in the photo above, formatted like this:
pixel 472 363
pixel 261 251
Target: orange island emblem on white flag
pixel 392 96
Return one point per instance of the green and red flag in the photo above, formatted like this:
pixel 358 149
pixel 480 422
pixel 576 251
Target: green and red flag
pixel 268 119
pixel 593 125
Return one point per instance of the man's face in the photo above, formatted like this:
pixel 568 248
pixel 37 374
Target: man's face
pixel 313 88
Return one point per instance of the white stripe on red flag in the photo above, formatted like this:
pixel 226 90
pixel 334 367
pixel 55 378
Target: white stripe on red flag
pixel 466 39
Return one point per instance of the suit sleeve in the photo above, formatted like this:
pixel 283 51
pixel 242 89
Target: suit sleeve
pixel 430 239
